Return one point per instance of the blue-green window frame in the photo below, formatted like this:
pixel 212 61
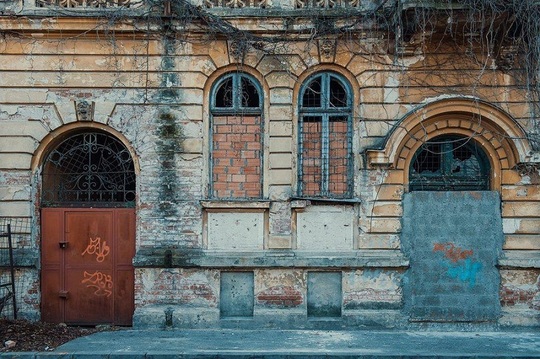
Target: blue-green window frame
pixel 326 111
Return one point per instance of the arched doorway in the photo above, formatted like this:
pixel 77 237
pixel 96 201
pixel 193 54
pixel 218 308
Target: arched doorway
pixel 88 230
pixel 452 157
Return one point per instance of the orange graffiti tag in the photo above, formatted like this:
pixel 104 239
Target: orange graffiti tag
pixel 452 252
pixel 101 282
pixel 100 249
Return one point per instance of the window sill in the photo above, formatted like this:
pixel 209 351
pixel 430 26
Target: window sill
pixel 245 204
pixel 188 258
pixel 302 202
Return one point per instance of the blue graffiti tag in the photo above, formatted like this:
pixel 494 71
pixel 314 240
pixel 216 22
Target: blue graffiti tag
pixel 465 270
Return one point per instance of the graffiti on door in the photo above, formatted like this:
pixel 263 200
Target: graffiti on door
pixel 97 247
pixel 102 283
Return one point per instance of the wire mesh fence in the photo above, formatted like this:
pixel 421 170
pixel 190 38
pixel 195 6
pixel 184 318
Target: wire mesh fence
pixel 14 234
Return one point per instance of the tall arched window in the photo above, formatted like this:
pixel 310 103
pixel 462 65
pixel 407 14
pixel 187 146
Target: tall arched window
pixel 449 163
pixel 325 161
pixel 236 137
pixel 89 169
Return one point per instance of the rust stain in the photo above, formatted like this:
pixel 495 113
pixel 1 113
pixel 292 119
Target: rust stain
pixel 452 252
pixel 100 249
pixel 101 282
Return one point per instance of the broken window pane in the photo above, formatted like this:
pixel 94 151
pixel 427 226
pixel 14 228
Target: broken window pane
pixel 450 163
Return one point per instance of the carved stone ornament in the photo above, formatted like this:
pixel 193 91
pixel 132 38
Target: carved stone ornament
pixel 327 48
pixel 84 110
pixel 238 49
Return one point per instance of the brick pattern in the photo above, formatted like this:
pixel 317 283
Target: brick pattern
pixel 338 162
pixel 510 296
pixel 311 158
pixel 338 179
pixel 236 157
pixel 175 286
pixel 280 296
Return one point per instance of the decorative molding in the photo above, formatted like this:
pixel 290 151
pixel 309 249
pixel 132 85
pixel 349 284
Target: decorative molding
pixel 327 50
pixel 84 110
pixel 330 4
pixel 377 158
pixel 507 57
pixel 237 4
pixel 88 3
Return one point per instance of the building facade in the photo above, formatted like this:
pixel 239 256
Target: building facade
pixel 278 163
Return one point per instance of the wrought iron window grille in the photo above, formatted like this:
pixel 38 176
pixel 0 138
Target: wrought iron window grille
pixel 449 163
pixel 325 159
pixel 89 169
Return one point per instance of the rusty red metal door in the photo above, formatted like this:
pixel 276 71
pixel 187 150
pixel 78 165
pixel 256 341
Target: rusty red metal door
pixel 87 273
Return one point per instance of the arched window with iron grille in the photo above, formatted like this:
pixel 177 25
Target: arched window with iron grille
pixel 449 163
pixel 89 169
pixel 325 160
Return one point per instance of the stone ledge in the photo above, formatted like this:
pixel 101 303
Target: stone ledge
pixel 175 258
pixel 220 204
pixel 520 259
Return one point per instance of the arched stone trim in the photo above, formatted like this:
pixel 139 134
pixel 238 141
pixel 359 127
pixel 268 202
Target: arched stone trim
pixel 496 132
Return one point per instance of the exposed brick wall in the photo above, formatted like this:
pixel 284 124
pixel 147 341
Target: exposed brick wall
pixel 311 158
pixel 520 288
pixel 186 287
pixel 338 181
pixel 236 157
pixel 338 158
pixel 280 296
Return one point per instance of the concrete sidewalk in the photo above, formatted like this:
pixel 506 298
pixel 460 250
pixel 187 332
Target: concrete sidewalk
pixel 227 343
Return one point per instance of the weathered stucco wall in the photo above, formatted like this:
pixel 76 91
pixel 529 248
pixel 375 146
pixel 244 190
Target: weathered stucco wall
pixel 295 255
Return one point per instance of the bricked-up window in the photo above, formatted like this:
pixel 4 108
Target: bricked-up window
pixel 449 163
pixel 325 163
pixel 236 138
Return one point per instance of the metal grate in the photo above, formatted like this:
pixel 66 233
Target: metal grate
pixel 89 169
pixel 14 234
pixel 450 163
